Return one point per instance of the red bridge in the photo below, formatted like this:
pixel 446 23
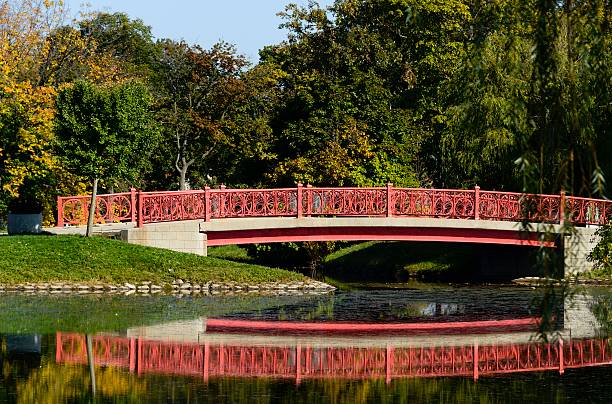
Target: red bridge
pixel 476 204
pixel 193 220
pixel 306 362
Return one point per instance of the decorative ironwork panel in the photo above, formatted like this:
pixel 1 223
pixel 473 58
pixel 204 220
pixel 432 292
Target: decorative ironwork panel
pixel 173 206
pixel 110 208
pixel 433 203
pixel 107 351
pixel 183 359
pixel 579 353
pixel 433 361
pixel 518 357
pixel 507 206
pixel 253 203
pixel 588 211
pixel 345 201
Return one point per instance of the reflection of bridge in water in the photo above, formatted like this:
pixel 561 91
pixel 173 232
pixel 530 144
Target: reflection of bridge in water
pixel 245 356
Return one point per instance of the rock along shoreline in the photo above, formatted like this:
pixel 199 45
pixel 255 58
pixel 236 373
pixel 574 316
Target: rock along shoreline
pixel 536 281
pixel 178 287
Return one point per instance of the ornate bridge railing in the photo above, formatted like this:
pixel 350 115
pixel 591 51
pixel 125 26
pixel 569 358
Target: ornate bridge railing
pixel 207 204
pixel 305 362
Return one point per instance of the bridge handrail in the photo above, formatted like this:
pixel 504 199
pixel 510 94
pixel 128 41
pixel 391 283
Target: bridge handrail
pixel 208 204
pixel 244 360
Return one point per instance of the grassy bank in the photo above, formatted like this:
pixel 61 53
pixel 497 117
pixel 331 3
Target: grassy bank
pixel 399 262
pixel 384 261
pixel 96 259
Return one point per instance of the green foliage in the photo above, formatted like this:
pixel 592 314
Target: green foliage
pixel 306 257
pixel 130 41
pixel 400 261
pixel 105 132
pixel 601 255
pixel 196 89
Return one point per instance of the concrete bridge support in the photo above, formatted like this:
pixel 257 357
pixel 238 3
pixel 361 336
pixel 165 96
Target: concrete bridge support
pixel 177 236
pixel 576 249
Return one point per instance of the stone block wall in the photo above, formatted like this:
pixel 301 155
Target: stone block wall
pixel 177 236
pixel 577 247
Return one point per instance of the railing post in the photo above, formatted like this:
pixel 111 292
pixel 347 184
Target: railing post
pixel 309 207
pixel 562 209
pixel 298 364
pixel 133 203
pixel 206 360
pixel 390 203
pixel 132 354
pixel 207 215
pixel 140 217
pixel 58 347
pixel 140 355
pixel 389 364
pixel 561 364
pixel 299 200
pixel 476 202
pixel 60 212
pixel 476 360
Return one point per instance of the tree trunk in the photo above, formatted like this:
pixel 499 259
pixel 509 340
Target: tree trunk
pixel 90 362
pixel 92 208
pixel 183 178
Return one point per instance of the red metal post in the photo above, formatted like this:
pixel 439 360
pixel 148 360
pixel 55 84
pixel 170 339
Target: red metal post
pixel 299 200
pixel 60 212
pixel 222 186
pixel 140 217
pixel 389 364
pixel 139 362
pixel 221 359
pixel 476 360
pixel 562 209
pixel 298 363
pixel 58 347
pixel 206 360
pixel 561 364
pixel 207 203
pixel 133 203
pixel 476 202
pixel 309 207
pixel 390 203
pixel 132 354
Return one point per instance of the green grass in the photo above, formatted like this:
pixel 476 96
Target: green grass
pixel 398 261
pixel 96 259
pixel 231 253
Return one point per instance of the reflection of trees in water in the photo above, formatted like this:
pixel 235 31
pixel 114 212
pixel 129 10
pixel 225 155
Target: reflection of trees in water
pixel 544 387
pixel 548 304
pixel 602 310
pixel 54 383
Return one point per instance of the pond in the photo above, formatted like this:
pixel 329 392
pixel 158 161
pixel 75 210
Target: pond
pixel 428 343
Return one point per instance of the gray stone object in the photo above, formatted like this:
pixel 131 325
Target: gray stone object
pixel 24 223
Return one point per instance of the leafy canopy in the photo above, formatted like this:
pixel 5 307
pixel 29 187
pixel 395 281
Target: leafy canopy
pixel 105 132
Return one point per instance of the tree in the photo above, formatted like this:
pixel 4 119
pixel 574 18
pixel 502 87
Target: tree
pixel 361 89
pixel 126 40
pixel 104 132
pixel 39 53
pixel 197 89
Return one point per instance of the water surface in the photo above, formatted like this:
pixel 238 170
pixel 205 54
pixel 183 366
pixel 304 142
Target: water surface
pixel 158 349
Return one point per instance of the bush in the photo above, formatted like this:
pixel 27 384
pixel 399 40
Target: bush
pixel 602 253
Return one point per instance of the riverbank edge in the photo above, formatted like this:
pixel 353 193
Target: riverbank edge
pixel 537 281
pixel 177 287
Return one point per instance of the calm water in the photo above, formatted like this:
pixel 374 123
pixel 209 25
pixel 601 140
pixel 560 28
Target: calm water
pixel 168 349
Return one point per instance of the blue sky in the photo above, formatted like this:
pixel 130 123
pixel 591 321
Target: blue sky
pixel 248 24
